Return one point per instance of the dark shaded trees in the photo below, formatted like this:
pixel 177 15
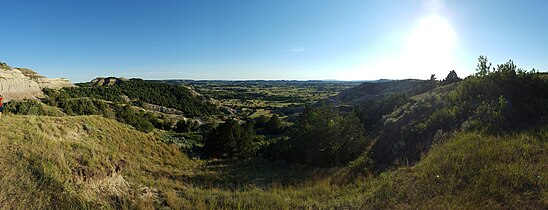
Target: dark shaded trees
pixel 323 137
pixel 230 140
pixel 274 125
pixel 452 77
pixel 184 126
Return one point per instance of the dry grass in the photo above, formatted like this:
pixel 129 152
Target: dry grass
pixel 90 162
pixel 84 161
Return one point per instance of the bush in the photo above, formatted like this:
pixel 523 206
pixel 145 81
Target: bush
pixel 31 107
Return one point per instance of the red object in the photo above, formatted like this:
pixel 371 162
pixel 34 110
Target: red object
pixel 1 101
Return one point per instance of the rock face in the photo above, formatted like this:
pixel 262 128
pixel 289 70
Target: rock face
pixel 17 84
pixel 54 83
pixel 43 82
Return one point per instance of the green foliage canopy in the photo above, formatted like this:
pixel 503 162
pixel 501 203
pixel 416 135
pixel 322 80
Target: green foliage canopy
pixel 230 140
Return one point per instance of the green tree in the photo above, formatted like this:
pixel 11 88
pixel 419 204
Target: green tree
pixel 483 67
pixel 230 140
pixel 452 77
pixel 261 121
pixel 274 125
pixel 432 82
pixel 323 137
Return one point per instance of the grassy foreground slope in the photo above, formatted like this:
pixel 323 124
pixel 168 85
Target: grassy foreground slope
pixel 82 162
pixel 466 171
pixel 93 162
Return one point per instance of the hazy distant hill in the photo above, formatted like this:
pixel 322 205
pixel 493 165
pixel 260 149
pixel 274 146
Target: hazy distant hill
pixel 374 89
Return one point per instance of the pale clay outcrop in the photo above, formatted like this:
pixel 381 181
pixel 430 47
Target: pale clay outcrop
pixel 15 85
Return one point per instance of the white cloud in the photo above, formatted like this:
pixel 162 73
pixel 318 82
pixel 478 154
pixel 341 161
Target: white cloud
pixel 297 50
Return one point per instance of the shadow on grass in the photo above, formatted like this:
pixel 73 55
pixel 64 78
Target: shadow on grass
pixel 254 173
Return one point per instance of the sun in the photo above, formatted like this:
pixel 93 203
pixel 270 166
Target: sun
pixel 430 45
pixel 432 33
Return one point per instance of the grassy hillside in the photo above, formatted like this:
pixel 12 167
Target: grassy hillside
pixel 83 162
pixel 467 171
pixel 93 162
pixel 499 101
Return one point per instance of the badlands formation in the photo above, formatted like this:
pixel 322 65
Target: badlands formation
pixel 21 83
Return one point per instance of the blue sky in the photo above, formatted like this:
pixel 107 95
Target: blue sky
pixel 270 39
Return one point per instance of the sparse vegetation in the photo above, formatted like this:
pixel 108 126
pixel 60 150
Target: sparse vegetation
pixel 4 66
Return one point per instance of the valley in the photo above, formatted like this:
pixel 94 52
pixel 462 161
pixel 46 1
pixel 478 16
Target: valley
pixel 267 105
pixel 115 143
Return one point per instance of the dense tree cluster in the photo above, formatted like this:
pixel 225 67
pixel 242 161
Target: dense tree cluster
pixel 274 125
pixel 63 99
pixel 231 140
pixel 186 125
pixel 30 107
pixel 322 137
pixel 269 126
pixel 167 95
pixel 116 102
pixel 140 120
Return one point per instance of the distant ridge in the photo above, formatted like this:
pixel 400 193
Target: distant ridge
pixel 378 88
pixel 108 81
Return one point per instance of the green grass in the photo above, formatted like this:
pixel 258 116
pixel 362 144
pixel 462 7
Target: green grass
pixel 469 171
pixel 91 162
pixel 81 162
pixel 485 171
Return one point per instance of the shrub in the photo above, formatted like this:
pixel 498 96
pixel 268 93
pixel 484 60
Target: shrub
pixel 31 107
pixel 4 66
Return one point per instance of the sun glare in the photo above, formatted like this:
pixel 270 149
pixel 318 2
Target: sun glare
pixel 430 45
pixel 432 35
pixel 428 48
